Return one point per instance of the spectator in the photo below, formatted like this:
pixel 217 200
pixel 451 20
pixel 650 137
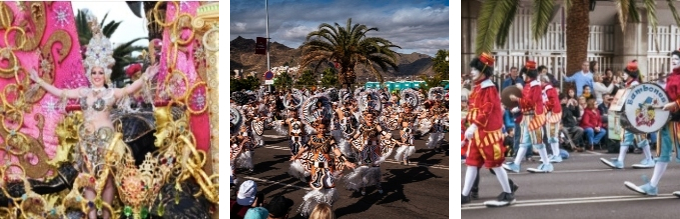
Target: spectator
pixel 601 89
pixel 257 213
pixel 245 199
pixel 513 79
pixel 279 207
pixel 570 126
pixel 662 80
pixel 571 95
pixel 594 67
pixel 322 211
pixel 581 107
pixel 581 78
pixel 508 119
pixel 592 125
pixel 542 70
pixel 587 92
pixel 509 141
pixel 604 106
pixel 608 77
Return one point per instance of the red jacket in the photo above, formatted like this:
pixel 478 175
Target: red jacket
pixel 591 119
pixel 553 103
pixel 673 86
pixel 485 112
pixel 484 107
pixel 532 98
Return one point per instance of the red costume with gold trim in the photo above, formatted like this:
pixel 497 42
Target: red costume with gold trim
pixel 532 102
pixel 485 112
pixel 553 104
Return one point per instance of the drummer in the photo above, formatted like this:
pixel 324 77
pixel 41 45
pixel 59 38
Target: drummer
pixel 632 77
pixel 669 133
pixel 533 119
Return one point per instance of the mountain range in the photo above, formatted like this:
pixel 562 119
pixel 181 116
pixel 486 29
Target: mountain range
pixel 242 57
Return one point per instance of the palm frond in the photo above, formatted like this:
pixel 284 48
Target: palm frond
pixel 623 7
pixel 101 23
pixel 634 14
pixel 543 14
pixel 489 22
pixel 504 31
pixel 674 11
pixel 650 5
pixel 567 5
pixel 110 28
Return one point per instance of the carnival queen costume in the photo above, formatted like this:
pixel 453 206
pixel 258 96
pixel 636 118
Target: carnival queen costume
pixel 96 134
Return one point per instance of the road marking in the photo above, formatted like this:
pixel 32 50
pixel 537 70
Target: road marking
pixel 567 201
pixel 272 182
pixel 275 136
pixel 563 171
pixel 435 166
pixel 596 153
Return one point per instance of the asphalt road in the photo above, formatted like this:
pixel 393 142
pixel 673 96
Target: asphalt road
pixel 580 187
pixel 419 190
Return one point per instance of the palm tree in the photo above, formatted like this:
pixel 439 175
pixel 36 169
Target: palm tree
pixel 137 7
pixel 122 53
pixel 496 17
pixel 347 47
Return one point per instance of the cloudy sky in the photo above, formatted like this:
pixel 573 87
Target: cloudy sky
pixel 416 25
pixel 131 27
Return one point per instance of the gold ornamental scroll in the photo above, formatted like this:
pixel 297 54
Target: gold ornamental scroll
pixel 206 24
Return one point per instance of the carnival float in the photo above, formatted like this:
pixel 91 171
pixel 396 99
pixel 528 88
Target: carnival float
pixel 161 158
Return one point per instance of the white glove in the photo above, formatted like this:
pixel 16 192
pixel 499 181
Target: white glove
pixel 470 131
pixel 515 110
pixel 462 143
pixel 520 86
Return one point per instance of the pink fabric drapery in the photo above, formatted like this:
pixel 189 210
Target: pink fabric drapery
pixel 200 125
pixel 68 73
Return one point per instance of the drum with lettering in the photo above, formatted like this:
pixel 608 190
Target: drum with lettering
pixel 641 108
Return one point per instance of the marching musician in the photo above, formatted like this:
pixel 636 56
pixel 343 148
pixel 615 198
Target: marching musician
pixel 631 77
pixel 554 115
pixel 669 133
pixel 484 135
pixel 533 119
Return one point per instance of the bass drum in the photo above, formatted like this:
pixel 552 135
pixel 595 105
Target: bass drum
pixel 641 111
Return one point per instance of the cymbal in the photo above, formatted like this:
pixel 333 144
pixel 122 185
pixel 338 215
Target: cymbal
pixel 505 96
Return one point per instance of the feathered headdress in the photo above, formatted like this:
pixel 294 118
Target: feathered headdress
pixel 99 52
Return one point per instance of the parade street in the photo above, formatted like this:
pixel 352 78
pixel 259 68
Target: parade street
pixel 419 190
pixel 580 187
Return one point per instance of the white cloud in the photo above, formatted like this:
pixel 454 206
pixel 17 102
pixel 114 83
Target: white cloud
pixel 299 32
pixel 238 26
pixel 421 16
pixel 131 26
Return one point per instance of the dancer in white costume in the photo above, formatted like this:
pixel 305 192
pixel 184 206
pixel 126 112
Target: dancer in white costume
pixel 632 74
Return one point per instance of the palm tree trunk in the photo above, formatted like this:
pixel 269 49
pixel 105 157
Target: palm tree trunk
pixel 578 32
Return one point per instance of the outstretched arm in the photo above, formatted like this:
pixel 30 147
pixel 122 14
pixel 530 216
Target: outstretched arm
pixel 67 93
pixel 138 84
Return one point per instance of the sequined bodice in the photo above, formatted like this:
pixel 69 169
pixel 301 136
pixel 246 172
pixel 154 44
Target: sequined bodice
pixel 103 99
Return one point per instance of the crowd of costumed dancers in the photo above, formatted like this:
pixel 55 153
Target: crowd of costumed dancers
pixel 338 134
